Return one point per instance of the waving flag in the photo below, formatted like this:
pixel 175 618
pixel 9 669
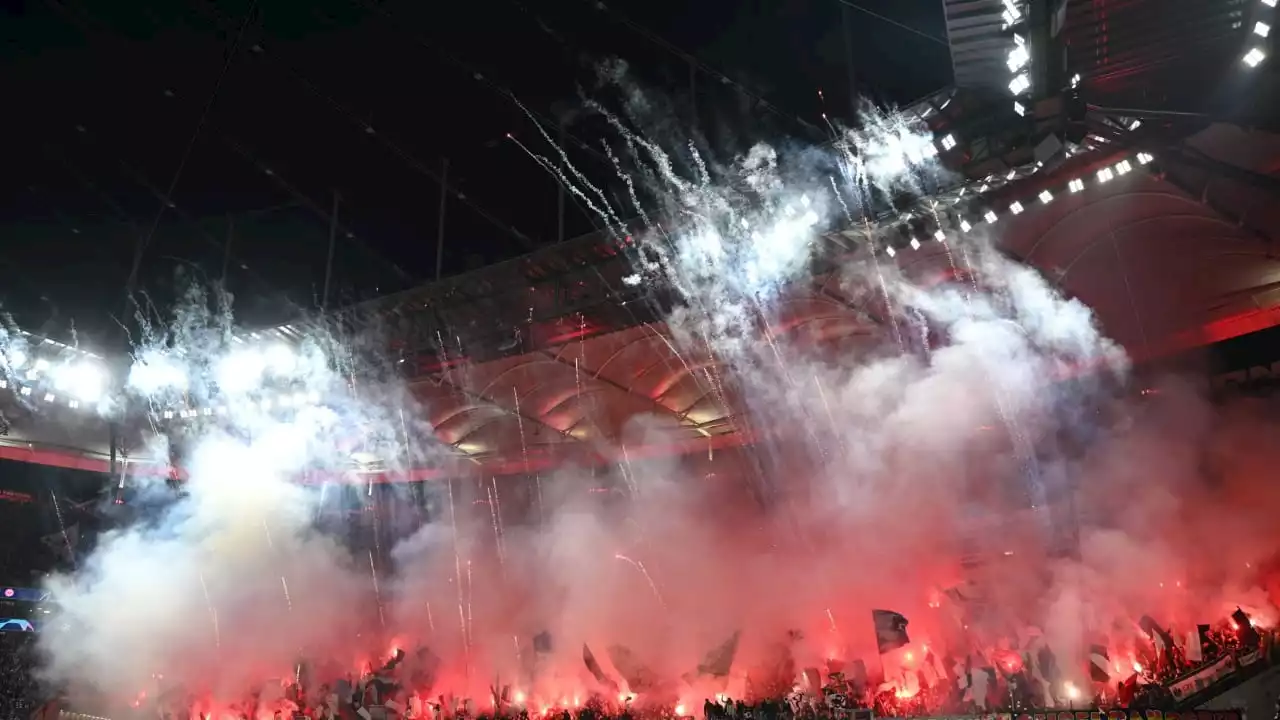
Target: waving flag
pixel 891 630
pixel 593 666
pixel 719 660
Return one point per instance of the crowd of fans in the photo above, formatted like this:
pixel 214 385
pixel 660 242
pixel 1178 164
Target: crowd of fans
pixel 18 692
pixel 1020 688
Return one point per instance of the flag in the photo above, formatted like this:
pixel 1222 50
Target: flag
pixel 1197 639
pixel 1158 635
pixel 891 630
pixel 1099 664
pixel 542 643
pixel 593 666
pixel 717 662
pixel 638 676
pixel 1245 631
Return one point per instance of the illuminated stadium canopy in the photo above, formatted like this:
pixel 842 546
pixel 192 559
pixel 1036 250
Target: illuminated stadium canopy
pixel 1156 219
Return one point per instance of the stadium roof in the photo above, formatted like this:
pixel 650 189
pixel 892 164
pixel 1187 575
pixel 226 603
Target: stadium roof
pixel 1164 269
pixel 1168 261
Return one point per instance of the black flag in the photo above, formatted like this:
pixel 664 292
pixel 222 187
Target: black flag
pixel 1099 664
pixel 593 666
pixel 891 630
pixel 1247 635
pixel 1158 635
pixel 542 643
pixel 719 660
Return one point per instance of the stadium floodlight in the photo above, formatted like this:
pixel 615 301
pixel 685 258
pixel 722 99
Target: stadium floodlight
pixel 1105 174
pixel 1254 57
pixel 1018 108
pixel 1261 29
pixel 1145 158
pixel 964 226
pixel 1076 185
pixel 991 217
pixel 890 251
pixel 1046 197
pixel 915 244
pixel 1016 208
pixel 1075 80
pixel 1018 57
pixel 1123 167
pixel 948 142
pixel 1020 84
pixel 939 235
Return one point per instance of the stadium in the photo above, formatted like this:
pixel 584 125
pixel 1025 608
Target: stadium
pixel 951 406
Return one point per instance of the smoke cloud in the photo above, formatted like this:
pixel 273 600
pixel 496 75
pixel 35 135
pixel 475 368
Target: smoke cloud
pixel 982 434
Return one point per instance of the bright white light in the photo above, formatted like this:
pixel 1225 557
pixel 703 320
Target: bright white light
pixel 1144 158
pixel 1105 174
pixel 280 359
pixel 915 244
pixel 990 217
pixel 84 380
pixel 1123 167
pixel 154 372
pixel 1046 197
pixel 241 371
pixel 889 249
pixel 1269 3
pixel 1020 84
pixel 1262 29
pixel 48 397
pixel 1018 108
pixel 964 226
pixel 1135 125
pixel 948 142
pixel 41 366
pixel 17 359
pixel 1016 208
pixel 1075 80
pixel 25 392
pixel 1076 185
pixel 1254 57
pixel 939 235
pixel 1018 57
pixel 1012 13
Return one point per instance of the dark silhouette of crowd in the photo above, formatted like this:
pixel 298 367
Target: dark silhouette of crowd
pixel 18 688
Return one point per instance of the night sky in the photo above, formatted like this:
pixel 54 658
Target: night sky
pixel 214 136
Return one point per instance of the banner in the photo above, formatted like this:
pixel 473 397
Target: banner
pixel 1201 679
pixel 1152 714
